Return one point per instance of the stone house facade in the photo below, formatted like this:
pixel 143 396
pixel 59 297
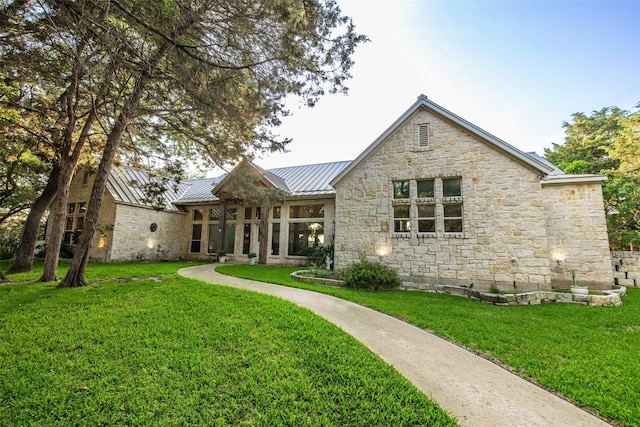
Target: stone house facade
pixel 435 198
pixel 438 199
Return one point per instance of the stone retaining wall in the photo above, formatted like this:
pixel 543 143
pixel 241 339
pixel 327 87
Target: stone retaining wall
pixel 626 268
pixel 607 298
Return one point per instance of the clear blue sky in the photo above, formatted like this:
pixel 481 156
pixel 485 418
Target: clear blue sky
pixel 517 69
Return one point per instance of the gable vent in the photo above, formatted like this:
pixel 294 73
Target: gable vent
pixel 423 135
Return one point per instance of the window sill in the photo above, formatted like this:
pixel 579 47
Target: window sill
pixel 427 235
pixel 454 235
pixel 401 235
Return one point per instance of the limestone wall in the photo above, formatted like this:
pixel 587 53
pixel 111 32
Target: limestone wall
pixel 133 237
pixel 577 233
pixel 626 268
pixel 519 233
pixel 504 238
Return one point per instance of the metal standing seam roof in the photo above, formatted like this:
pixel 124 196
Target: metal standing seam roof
pixel 121 185
pixel 298 181
pixel 311 180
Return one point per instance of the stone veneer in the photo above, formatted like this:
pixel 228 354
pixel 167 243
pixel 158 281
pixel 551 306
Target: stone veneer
pixel 626 266
pixel 123 239
pixel 507 233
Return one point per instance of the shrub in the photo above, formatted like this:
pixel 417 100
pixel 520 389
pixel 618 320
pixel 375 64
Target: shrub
pixel 320 254
pixel 369 275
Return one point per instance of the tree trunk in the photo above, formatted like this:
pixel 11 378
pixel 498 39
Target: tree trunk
pixel 57 225
pixel 263 250
pixel 75 274
pixel 3 278
pixel 23 258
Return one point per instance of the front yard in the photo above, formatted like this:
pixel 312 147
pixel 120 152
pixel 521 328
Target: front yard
pixel 143 346
pixel 591 355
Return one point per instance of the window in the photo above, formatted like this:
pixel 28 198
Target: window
pixel 423 135
pixel 275 238
pixel 232 213
pixel 307 211
pixel 230 239
pixel 306 229
pixel 198 214
pixel 276 212
pixel 437 202
pixel 426 218
pixel 74 222
pixel 214 214
pixel 196 236
pixel 453 218
pixel 85 177
pixel 247 213
pixel 401 221
pixel 246 238
pixel 425 188
pixel 214 232
pixel 304 237
pixel 401 189
pixel 451 187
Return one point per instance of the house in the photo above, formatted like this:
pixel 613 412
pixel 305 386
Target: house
pixel 435 198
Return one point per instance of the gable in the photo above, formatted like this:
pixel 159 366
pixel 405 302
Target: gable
pixel 436 111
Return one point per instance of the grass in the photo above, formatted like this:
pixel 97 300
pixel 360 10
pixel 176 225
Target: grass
pixel 165 350
pixel 591 355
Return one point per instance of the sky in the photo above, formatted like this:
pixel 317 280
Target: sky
pixel 517 69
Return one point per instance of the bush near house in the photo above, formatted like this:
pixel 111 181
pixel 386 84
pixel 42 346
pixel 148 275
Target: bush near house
pixel 369 275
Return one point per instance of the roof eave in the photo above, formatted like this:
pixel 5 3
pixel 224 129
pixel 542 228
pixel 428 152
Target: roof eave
pixel 572 179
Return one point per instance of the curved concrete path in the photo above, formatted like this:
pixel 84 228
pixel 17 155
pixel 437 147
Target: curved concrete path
pixel 476 391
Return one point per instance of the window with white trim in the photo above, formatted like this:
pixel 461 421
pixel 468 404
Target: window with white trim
pixel 427 207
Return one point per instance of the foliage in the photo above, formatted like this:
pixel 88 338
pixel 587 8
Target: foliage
pixel 319 256
pixel 369 275
pixel 166 351
pixel 572 350
pixel 607 142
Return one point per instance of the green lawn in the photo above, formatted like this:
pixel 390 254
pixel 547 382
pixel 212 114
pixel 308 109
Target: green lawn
pixel 165 350
pixel 591 355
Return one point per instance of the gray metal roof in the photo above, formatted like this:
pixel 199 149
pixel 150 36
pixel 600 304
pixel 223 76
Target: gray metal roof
pixel 298 181
pixel 124 185
pixel 200 190
pixel 311 180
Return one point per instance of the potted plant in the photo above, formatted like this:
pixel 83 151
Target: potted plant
pixel 575 288
pixel 252 257
pixel 222 257
pixel 579 289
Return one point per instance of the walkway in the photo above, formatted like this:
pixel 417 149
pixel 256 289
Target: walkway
pixel 476 391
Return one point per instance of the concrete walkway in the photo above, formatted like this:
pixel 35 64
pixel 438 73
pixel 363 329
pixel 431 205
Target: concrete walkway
pixel 476 391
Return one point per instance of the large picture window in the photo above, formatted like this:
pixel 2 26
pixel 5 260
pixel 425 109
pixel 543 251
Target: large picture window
pixel 304 237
